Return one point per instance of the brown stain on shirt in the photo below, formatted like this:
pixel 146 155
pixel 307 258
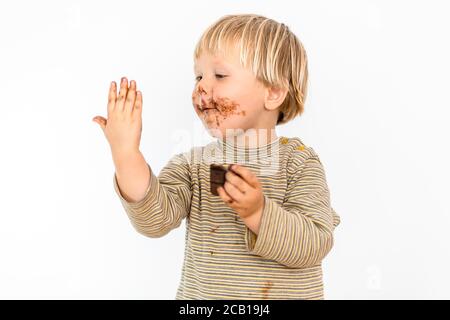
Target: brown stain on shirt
pixel 265 289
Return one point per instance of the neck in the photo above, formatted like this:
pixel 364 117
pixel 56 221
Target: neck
pixel 254 138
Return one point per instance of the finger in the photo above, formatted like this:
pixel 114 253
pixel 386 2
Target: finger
pixel 112 97
pixel 131 97
pixel 101 121
pixel 237 181
pixel 246 174
pixel 234 192
pixel 137 110
pixel 224 195
pixel 122 94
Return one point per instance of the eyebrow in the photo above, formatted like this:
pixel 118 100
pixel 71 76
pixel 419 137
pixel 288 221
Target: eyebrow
pixel 217 64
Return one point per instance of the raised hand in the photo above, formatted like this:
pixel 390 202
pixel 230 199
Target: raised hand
pixel 123 127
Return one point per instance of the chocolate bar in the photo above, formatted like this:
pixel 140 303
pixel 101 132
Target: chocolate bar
pixel 217 176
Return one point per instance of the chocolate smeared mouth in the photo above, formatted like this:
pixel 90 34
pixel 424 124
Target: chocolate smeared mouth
pixel 215 110
pixel 206 109
pixel 203 106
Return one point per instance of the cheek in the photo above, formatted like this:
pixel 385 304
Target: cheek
pixel 248 97
pixel 252 99
pixel 229 107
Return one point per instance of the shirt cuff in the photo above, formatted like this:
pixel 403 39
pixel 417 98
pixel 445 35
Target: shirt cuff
pixel 149 193
pixel 258 244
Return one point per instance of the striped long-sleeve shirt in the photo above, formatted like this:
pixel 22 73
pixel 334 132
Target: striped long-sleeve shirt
pixel 223 258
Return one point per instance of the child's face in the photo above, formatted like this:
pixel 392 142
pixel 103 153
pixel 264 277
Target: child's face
pixel 231 97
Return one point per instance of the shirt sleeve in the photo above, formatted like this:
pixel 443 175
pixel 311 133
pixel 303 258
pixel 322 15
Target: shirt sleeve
pixel 167 200
pixel 299 232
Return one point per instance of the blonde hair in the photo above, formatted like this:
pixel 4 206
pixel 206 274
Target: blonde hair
pixel 268 49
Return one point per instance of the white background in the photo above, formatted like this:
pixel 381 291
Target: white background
pixel 377 114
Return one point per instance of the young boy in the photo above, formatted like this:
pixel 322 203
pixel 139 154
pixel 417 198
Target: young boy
pixel 263 230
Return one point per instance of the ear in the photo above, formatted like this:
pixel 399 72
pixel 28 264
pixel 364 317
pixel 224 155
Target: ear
pixel 274 97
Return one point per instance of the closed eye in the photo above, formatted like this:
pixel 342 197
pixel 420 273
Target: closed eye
pixel 220 76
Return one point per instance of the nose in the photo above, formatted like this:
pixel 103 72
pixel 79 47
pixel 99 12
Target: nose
pixel 203 96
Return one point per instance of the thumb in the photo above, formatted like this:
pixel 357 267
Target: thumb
pixel 101 121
